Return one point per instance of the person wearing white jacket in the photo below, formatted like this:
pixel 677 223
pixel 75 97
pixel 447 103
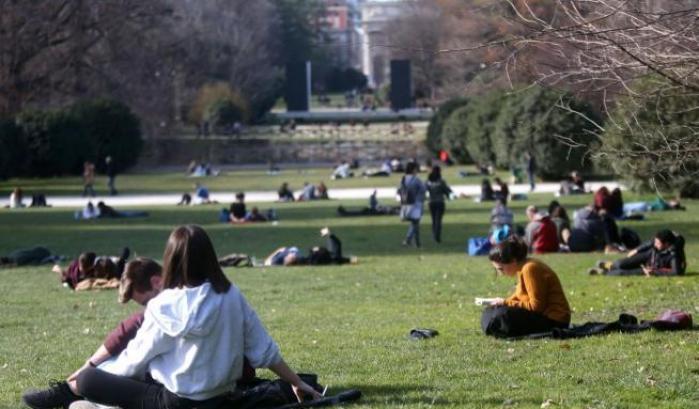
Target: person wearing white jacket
pixel 193 340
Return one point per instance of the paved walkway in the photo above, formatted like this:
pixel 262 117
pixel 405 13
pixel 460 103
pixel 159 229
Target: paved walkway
pixel 271 196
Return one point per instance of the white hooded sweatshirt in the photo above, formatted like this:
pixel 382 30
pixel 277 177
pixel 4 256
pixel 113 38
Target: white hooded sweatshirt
pixel 193 341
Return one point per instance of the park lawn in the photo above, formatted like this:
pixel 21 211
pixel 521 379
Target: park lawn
pixel 227 181
pixel 350 323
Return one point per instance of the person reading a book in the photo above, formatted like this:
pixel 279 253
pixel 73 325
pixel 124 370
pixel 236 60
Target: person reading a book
pixel 538 304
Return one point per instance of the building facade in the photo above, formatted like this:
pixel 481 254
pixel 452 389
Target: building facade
pixel 375 55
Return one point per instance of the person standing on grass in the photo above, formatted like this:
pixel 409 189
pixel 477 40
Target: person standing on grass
pixel 200 320
pixel 439 192
pixel 531 170
pixel 111 175
pixel 88 179
pixel 412 197
pixel 538 304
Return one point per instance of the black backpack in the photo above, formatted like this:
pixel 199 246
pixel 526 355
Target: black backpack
pixel 629 238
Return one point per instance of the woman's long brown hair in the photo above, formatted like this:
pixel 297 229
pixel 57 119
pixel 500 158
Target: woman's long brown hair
pixel 190 260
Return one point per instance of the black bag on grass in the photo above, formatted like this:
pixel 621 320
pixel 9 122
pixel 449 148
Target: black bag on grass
pixel 629 238
pixel 267 394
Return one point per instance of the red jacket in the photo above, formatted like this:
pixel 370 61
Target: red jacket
pixel 545 238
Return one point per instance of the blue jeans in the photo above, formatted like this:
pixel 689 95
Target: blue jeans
pixel 413 233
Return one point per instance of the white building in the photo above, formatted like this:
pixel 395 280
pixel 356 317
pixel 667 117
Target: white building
pixel 375 56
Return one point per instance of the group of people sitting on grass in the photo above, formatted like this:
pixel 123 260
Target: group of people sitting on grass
pixel 309 192
pixel 239 214
pixel 90 271
pixel 194 320
pixel 17 199
pixel 488 194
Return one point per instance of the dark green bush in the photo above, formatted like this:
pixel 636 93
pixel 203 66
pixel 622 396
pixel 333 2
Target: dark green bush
pixel 482 115
pixel 55 141
pixel 223 113
pixel 434 130
pixel 651 139
pixel 455 134
pixel 111 129
pixel 12 149
pixel 532 120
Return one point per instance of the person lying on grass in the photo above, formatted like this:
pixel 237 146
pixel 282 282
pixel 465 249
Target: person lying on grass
pixel 199 320
pixel 538 304
pixel 88 266
pixel 663 256
pixel 331 253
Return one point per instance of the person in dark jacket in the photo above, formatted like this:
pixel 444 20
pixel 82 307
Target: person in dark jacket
pixel 663 256
pixel 439 192
pixel 487 194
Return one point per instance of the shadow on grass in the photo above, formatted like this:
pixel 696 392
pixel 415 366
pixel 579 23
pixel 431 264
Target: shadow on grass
pixel 397 395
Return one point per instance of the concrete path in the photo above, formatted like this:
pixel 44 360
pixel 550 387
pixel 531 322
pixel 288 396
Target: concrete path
pixel 271 196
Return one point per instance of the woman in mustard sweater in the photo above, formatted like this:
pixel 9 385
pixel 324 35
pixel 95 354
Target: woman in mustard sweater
pixel 538 303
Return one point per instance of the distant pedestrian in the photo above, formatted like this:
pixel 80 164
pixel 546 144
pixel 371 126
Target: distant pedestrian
pixel 412 196
pixel 439 192
pixel 88 179
pixel 111 175
pixel 531 171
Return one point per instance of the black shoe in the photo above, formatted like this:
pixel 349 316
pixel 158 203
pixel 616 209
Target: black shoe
pixel 125 253
pixel 58 395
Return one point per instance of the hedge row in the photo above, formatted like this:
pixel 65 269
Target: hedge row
pixel 50 143
pixel 501 127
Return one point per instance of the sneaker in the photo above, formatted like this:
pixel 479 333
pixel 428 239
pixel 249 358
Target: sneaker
pixel 85 404
pixel 58 395
pixel 603 265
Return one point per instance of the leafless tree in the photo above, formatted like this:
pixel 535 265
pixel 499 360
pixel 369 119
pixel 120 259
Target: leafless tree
pixel 606 47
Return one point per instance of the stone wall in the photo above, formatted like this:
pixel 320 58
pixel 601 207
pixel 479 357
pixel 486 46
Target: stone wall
pixel 166 152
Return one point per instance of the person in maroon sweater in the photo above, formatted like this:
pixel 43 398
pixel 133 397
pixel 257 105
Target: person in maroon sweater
pixel 141 281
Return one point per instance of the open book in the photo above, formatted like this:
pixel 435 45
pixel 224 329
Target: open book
pixel 484 301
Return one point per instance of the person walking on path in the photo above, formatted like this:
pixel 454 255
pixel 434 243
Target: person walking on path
pixel 531 171
pixel 111 175
pixel 88 179
pixel 412 197
pixel 439 191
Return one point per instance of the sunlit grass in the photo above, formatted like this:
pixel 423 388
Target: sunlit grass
pixel 349 324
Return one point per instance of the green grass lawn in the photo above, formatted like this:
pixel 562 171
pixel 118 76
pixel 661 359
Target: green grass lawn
pixel 350 323
pixel 227 181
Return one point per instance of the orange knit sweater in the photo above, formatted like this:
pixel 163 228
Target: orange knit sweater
pixel 538 289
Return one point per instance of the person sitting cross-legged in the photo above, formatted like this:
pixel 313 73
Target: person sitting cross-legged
pixel 538 304
pixel 664 256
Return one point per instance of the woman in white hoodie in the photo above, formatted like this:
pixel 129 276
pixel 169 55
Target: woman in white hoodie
pixel 193 339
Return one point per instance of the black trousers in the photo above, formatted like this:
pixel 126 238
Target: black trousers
pixel 508 322
pixel 630 266
pixel 437 212
pixel 101 387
